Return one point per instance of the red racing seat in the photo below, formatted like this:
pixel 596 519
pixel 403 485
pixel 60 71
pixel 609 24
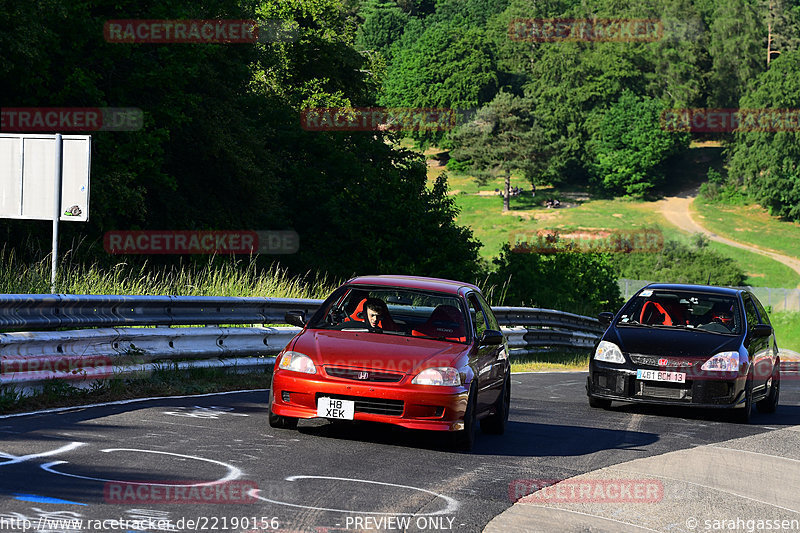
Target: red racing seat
pixel 445 321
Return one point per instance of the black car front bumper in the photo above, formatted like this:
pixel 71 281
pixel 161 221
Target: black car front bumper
pixel 620 384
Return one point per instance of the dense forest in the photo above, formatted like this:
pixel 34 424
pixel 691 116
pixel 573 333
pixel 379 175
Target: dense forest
pixel 222 145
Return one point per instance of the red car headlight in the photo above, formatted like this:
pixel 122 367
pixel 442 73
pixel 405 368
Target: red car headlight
pixel 297 362
pixel 446 376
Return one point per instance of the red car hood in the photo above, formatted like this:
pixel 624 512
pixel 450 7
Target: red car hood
pixel 376 351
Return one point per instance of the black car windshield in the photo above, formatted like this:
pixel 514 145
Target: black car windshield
pixel 394 311
pixel 683 309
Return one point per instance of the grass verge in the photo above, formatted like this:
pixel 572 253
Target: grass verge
pixel 555 361
pixel 219 277
pixel 164 381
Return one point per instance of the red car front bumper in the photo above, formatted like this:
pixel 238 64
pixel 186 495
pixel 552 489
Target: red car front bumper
pixel 404 404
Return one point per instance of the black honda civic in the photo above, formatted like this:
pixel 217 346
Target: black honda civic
pixel 692 345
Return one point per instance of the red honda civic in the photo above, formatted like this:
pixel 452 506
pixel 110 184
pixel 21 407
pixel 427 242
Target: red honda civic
pixel 422 353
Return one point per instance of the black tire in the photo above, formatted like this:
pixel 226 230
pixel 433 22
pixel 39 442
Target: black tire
pixel 464 440
pixel 281 422
pixel 496 423
pixel 770 403
pixel 277 421
pixel 742 415
pixel 599 403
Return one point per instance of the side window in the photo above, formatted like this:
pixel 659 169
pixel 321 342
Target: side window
pixel 750 311
pixel 478 319
pixel 761 311
pixel 490 319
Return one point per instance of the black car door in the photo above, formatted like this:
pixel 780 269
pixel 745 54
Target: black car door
pixel 772 345
pixel 757 347
pixel 487 355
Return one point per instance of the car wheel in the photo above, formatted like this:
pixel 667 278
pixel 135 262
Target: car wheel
pixel 496 423
pixel 463 440
pixel 770 403
pixel 599 403
pixel 281 422
pixel 277 421
pixel 743 415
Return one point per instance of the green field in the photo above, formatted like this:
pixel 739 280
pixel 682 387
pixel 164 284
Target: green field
pixel 750 224
pixel 787 329
pixel 481 210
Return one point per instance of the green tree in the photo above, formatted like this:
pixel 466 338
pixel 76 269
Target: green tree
pixel 504 137
pixel 384 22
pixel 767 162
pixel 630 148
pixel 446 66
pixel 738 49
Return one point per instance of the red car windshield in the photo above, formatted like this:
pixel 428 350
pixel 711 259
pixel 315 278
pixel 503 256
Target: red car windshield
pixel 394 311
pixel 680 309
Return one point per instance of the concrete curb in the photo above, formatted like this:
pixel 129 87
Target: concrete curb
pixel 748 479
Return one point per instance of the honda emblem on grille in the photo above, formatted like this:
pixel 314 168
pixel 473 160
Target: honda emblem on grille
pixel 663 362
pixel 363 375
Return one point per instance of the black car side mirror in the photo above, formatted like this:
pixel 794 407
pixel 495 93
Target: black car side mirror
pixel 762 330
pixel 491 337
pixel 295 318
pixel 605 318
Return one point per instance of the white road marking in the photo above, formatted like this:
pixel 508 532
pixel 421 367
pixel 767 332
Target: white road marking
pixel 14 459
pixel 452 505
pixel 233 472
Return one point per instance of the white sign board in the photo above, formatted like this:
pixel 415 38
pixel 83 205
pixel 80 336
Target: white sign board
pixel 27 179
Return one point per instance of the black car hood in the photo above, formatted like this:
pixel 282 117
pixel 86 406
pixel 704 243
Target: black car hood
pixel 672 342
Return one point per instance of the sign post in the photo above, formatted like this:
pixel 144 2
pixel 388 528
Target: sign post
pixel 45 177
pixel 57 182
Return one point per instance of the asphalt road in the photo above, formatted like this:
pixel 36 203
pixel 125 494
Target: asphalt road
pixel 324 477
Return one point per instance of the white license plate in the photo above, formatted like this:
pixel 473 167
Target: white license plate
pixel 333 408
pixel 660 375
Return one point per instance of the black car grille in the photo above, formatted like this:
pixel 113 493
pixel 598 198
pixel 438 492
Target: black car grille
pixel 664 391
pixel 363 375
pixel 377 406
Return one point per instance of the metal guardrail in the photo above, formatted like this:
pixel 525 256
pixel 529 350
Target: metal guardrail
pixel 113 348
pixel 118 345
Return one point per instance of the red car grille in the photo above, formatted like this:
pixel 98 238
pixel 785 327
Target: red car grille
pixel 378 406
pixel 363 375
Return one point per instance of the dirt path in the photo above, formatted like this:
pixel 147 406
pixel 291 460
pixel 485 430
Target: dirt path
pixel 677 211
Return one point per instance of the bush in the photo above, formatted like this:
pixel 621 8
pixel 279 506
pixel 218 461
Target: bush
pixel 582 283
pixel 719 190
pixel 680 263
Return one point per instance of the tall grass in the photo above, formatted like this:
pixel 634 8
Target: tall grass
pixel 234 277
